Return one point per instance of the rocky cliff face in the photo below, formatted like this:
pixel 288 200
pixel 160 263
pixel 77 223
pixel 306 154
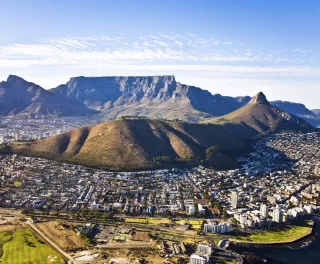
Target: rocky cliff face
pixel 101 93
pixel 260 98
pixel 153 96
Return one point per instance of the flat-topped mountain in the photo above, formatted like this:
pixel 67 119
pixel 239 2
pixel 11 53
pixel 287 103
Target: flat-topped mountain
pixel 264 117
pixel 19 97
pixel 151 96
pixel 136 143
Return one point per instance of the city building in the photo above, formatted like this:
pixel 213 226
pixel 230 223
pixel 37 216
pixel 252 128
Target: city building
pixel 277 215
pixel 234 199
pixel 204 249
pixel 218 228
pixel 264 210
pixel 196 259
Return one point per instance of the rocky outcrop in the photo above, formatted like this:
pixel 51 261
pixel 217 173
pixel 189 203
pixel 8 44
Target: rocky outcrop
pixel 260 98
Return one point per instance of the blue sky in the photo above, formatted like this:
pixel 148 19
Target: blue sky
pixel 237 47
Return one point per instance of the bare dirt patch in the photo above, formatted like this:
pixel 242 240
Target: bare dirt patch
pixel 66 238
pixel 5 228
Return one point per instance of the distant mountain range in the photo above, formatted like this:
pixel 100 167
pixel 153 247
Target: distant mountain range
pixel 138 143
pixel 19 97
pixel 113 97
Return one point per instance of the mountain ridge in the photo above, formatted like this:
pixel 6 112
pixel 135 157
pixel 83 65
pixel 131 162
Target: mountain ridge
pixel 115 96
pixel 20 97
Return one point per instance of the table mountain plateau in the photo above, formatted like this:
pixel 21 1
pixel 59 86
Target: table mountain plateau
pixel 151 96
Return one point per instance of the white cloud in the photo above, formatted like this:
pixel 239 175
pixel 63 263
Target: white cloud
pixel 97 51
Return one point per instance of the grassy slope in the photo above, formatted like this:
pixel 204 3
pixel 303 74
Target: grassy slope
pixel 137 143
pixel 17 251
pixel 4 238
pixel 289 234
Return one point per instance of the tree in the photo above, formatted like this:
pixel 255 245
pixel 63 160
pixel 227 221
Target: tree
pixel 224 214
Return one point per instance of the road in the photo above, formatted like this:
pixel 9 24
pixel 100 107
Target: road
pixel 55 246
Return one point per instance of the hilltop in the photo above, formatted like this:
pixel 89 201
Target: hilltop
pixel 134 143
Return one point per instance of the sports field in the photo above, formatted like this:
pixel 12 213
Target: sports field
pixel 140 236
pixel 23 247
pixel 196 224
pixel 120 238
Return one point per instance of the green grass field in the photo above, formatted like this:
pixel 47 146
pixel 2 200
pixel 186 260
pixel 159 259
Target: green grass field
pixel 4 238
pixel 286 235
pixel 23 247
pixel 165 236
pixel 196 224
pixel 17 183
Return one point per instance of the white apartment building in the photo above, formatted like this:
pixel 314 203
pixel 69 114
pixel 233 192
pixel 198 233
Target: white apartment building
pixel 277 215
pixel 234 199
pixel 264 210
pixel 219 228
pixel 196 259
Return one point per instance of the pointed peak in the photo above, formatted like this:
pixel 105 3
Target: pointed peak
pixel 260 98
pixel 16 79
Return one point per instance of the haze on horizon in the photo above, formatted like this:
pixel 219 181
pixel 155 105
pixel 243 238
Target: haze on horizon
pixel 227 47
